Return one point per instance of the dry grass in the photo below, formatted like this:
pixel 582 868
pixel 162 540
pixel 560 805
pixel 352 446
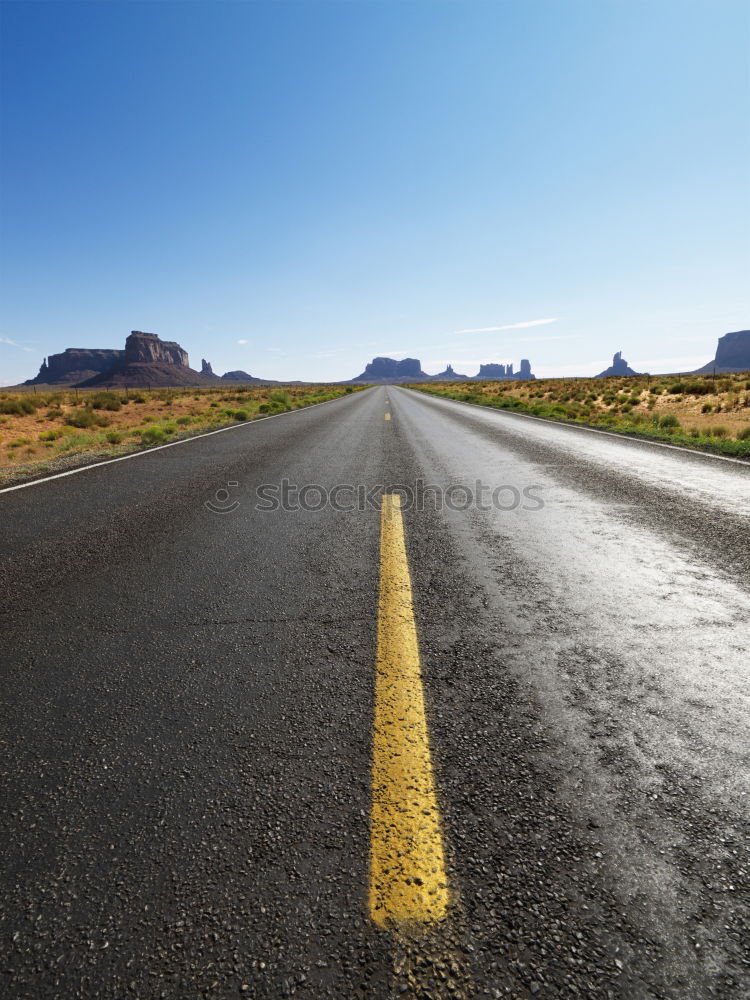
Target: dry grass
pixel 50 428
pixel 694 410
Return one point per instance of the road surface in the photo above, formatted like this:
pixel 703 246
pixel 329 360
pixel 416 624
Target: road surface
pixel 206 792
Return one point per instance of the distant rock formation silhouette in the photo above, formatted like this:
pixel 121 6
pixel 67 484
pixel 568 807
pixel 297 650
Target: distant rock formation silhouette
pixel 390 370
pixel 618 367
pixel 410 370
pixel 450 376
pixel 240 376
pixel 732 354
pixel 493 371
pixel 206 368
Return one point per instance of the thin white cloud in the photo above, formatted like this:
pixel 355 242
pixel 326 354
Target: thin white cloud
pixel 243 341
pixel 12 343
pixel 536 340
pixel 509 326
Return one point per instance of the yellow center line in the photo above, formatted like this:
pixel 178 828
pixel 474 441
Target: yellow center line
pixel 408 883
pixel 387 416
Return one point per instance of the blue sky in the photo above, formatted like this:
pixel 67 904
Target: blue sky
pixel 294 187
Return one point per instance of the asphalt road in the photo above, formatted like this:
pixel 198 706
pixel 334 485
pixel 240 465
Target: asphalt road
pixel 188 699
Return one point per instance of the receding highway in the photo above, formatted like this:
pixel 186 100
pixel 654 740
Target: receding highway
pixel 389 697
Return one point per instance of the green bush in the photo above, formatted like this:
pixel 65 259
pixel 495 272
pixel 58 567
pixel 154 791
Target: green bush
pixel 18 407
pixel 184 421
pixel 280 396
pixel 153 435
pixel 670 420
pixel 82 419
pixel 706 408
pixel 50 435
pixel 114 437
pixel 241 415
pixel 744 434
pixel 719 432
pixel 698 388
pixel 104 401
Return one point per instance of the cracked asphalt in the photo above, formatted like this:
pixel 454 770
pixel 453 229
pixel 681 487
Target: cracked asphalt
pixel 187 706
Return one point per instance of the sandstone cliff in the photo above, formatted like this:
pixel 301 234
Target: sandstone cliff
pixel 732 354
pixel 150 361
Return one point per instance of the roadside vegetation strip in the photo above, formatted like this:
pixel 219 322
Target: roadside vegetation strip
pixel 697 412
pixel 408 882
pixel 46 432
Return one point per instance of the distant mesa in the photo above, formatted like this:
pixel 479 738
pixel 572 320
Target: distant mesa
pixel 240 376
pixel 146 361
pixel 390 370
pixel 75 364
pixel 732 355
pixel 149 362
pixel 387 370
pixel 618 367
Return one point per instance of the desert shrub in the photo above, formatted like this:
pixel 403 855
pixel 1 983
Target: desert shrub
pixel 670 420
pixel 706 408
pixel 349 389
pixel 241 415
pixel 114 437
pixel 676 388
pixel 104 401
pixel 698 388
pixel 280 396
pixel 744 434
pixel 82 418
pixel 719 432
pixel 17 406
pixel 138 398
pixel 50 435
pixel 153 435
pixel 184 421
